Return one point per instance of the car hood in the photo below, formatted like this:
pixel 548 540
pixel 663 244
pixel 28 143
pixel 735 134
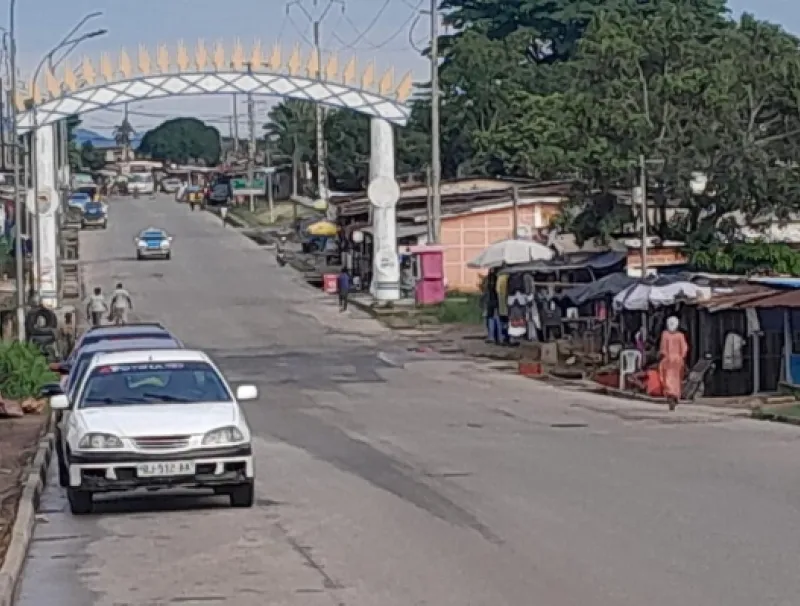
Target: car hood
pixel 159 419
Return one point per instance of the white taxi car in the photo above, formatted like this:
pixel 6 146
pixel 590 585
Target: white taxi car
pixel 154 419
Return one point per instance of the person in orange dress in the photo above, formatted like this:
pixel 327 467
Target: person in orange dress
pixel 672 353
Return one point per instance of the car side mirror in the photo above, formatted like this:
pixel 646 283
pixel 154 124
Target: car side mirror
pixel 246 392
pixel 50 390
pixel 59 402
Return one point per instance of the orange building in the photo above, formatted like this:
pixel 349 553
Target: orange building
pixel 465 235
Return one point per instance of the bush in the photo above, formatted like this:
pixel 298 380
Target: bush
pixel 460 309
pixel 23 371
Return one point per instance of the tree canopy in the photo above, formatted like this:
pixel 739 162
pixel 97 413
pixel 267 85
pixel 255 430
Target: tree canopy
pixel 579 89
pixel 183 140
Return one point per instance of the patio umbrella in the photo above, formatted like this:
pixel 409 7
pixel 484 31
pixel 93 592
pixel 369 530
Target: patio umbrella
pixel 322 228
pixel 511 252
pixel 641 297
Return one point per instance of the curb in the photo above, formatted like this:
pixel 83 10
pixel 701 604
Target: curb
pixel 24 523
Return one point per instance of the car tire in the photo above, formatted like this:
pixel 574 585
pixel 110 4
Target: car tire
pixel 168 256
pixel 63 470
pixel 80 501
pixel 243 495
pixel 138 256
pixel 105 225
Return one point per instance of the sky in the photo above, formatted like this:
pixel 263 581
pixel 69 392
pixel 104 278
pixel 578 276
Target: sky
pixel 379 30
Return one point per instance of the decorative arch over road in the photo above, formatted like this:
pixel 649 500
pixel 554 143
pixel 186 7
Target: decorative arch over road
pixel 89 88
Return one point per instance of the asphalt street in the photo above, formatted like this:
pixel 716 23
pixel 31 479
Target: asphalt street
pixel 425 482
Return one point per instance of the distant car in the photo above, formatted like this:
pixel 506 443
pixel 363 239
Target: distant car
pixel 220 192
pixel 153 243
pixel 95 214
pixel 154 419
pixel 79 200
pixel 170 186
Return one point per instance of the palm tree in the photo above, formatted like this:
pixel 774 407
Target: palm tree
pixel 123 134
pixel 292 123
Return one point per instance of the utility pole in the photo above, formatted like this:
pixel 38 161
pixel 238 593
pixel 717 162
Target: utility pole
pixel 251 150
pixel 643 252
pixel 320 122
pixel 295 163
pixel 436 162
pixel 322 181
pixel 2 126
pixel 235 126
pixel 125 134
pixel 268 163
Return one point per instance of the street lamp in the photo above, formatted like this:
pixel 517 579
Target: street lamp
pixel 48 58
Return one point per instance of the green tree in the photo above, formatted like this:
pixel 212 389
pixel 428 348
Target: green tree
pixel 183 140
pixel 74 151
pixel 90 158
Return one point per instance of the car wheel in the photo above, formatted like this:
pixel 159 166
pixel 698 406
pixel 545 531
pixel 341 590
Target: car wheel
pixel 138 256
pixel 80 501
pixel 105 225
pixel 168 256
pixel 243 495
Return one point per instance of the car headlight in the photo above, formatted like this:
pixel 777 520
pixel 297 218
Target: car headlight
pixel 164 243
pixel 223 435
pixel 99 441
pixel 142 244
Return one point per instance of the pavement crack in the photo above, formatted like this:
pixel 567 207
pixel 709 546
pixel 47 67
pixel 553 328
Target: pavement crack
pixel 305 552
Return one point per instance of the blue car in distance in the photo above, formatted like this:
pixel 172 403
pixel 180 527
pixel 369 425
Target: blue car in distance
pixel 153 242
pixel 94 215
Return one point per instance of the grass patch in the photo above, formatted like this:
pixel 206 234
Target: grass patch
pixel 786 413
pixel 460 309
pixel 282 212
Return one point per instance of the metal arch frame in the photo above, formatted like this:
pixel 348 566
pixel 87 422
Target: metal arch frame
pixel 142 88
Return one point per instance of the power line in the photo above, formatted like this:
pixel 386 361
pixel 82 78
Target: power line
pixel 408 25
pixel 369 27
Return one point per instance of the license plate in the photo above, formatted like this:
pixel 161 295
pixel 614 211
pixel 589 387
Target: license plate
pixel 165 469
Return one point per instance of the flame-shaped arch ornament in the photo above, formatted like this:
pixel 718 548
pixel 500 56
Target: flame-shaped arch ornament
pixel 93 87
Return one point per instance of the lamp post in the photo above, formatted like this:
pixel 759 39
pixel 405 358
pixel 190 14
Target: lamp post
pixel 71 43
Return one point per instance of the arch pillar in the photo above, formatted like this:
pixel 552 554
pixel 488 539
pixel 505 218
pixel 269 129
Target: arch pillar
pixel 385 264
pixel 46 276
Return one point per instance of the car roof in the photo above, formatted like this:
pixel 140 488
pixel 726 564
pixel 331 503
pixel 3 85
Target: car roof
pixel 129 329
pixel 153 230
pixel 144 356
pixel 109 345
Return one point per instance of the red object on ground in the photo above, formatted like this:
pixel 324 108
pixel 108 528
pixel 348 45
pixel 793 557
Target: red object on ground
pixel 607 379
pixel 530 369
pixel 329 284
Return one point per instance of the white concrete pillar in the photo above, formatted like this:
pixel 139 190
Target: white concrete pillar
pixel 383 194
pixel 46 178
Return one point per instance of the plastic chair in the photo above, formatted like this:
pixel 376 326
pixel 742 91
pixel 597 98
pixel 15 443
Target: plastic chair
pixel 630 361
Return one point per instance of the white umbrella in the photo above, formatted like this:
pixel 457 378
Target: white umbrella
pixel 641 297
pixel 511 252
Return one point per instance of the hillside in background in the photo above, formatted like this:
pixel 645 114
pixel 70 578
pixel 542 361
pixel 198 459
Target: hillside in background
pixel 98 141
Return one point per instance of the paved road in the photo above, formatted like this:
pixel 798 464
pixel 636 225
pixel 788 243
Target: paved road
pixel 435 483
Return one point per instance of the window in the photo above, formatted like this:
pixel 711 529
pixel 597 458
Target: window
pixel 153 383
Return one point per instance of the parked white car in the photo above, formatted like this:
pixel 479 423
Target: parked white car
pixel 154 419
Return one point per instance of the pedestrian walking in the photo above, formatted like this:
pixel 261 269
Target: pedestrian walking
pixel 96 307
pixel 121 303
pixel 671 367
pixel 343 288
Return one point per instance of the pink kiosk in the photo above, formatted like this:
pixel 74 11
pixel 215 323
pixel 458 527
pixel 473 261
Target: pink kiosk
pixel 428 266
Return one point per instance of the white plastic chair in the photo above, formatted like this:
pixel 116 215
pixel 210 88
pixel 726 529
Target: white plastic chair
pixel 630 361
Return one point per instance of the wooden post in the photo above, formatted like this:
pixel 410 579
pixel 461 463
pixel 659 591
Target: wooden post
pixel 515 212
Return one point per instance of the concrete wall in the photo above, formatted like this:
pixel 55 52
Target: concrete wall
pixel 466 236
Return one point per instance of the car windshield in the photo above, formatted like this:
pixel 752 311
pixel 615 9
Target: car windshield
pixel 153 383
pixel 152 235
pixel 93 206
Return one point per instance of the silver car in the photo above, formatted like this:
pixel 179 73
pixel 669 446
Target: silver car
pixel 153 243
